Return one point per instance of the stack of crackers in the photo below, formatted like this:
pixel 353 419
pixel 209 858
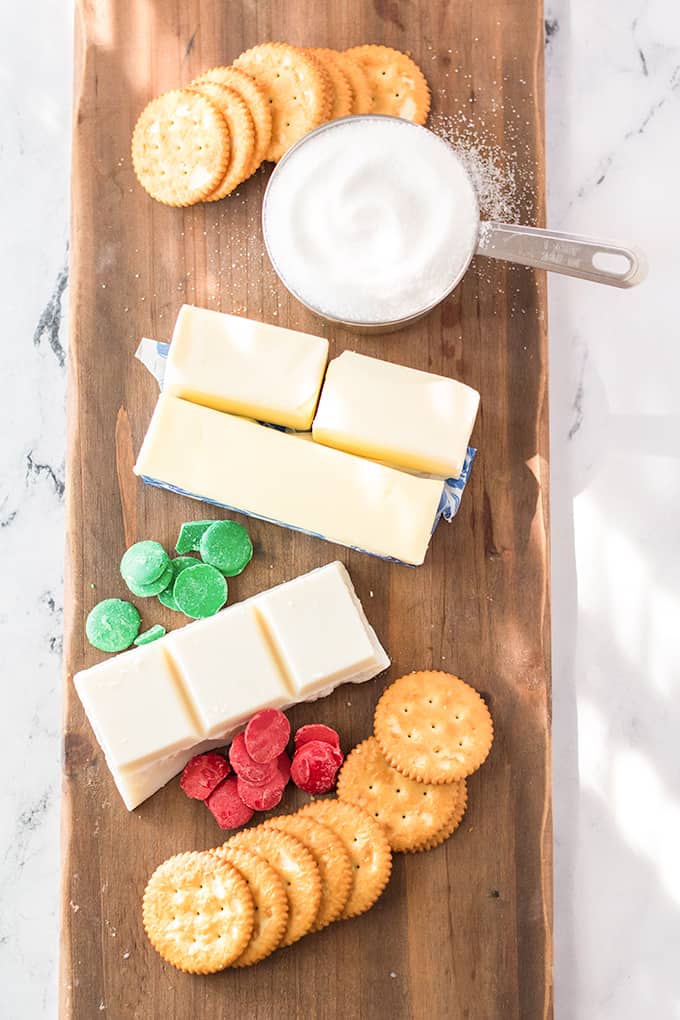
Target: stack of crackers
pixel 198 143
pixel 404 789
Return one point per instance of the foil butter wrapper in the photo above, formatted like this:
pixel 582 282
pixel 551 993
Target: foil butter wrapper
pixel 153 354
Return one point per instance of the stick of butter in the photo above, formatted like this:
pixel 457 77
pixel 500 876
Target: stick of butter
pixel 279 477
pixel 153 708
pixel 402 416
pixel 246 367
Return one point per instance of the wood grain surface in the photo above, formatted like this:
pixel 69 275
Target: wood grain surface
pixel 463 931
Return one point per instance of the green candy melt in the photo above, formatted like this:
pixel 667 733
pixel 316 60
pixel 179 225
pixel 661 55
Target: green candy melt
pixel 200 591
pixel 180 563
pixel 190 535
pixel 152 634
pixel 226 545
pixel 112 625
pixel 143 563
pixel 145 591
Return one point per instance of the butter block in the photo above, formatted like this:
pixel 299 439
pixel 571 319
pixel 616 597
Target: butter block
pixel 153 708
pixel 122 697
pixel 249 678
pixel 281 478
pixel 401 416
pixel 319 625
pixel 246 367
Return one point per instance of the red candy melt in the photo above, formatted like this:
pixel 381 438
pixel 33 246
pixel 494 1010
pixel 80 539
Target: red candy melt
pixel 315 766
pixel 267 735
pixel 264 796
pixel 316 731
pixel 203 774
pixel 246 767
pixel 228 808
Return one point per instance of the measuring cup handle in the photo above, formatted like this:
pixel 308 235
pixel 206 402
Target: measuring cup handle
pixel 568 254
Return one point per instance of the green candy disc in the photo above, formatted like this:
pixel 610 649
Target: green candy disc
pixel 200 591
pixel 145 591
pixel 190 535
pixel 143 563
pixel 112 625
pixel 226 545
pixel 152 634
pixel 166 597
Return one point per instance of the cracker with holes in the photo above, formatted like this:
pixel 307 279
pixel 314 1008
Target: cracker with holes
pixel 433 727
pixel 298 870
pixel 198 912
pixel 254 96
pixel 398 86
pixel 410 812
pixel 332 860
pixel 270 901
pixel 451 824
pixel 241 133
pixel 367 846
pixel 180 148
pixel 297 88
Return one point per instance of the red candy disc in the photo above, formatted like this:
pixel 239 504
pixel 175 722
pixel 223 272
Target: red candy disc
pixel 316 731
pixel 266 735
pixel 203 774
pixel 315 766
pixel 226 805
pixel 246 767
pixel 264 796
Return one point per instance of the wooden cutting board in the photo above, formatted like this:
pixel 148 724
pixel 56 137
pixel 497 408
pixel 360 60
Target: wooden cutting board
pixel 464 930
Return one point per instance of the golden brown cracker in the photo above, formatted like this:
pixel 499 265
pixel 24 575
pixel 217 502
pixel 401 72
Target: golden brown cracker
pixel 298 870
pixel 451 823
pixel 332 860
pixel 256 100
pixel 180 148
pixel 367 845
pixel 241 132
pixel 341 91
pixel 198 912
pixel 398 86
pixel 410 812
pixel 433 727
pixel 296 87
pixel 269 898
pixel 358 82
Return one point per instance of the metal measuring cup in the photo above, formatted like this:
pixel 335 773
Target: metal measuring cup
pixel 607 262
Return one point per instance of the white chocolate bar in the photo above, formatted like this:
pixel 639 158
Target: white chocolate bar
pixel 281 478
pixel 153 708
pixel 246 367
pixel 402 416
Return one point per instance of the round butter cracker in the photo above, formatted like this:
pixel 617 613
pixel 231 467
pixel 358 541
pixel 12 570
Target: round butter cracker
pixel 270 900
pixel 332 860
pixel 297 868
pixel 180 148
pixel 398 87
pixel 366 844
pixel 198 912
pixel 451 824
pixel 256 100
pixel 296 87
pixel 433 727
pixel 241 133
pixel 410 812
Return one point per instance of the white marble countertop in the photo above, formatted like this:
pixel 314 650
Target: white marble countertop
pixel 613 137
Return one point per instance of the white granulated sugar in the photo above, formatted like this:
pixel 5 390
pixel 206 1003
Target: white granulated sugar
pixel 371 220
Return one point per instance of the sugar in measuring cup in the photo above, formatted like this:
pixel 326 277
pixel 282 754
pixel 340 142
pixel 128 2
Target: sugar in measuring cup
pixel 371 221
